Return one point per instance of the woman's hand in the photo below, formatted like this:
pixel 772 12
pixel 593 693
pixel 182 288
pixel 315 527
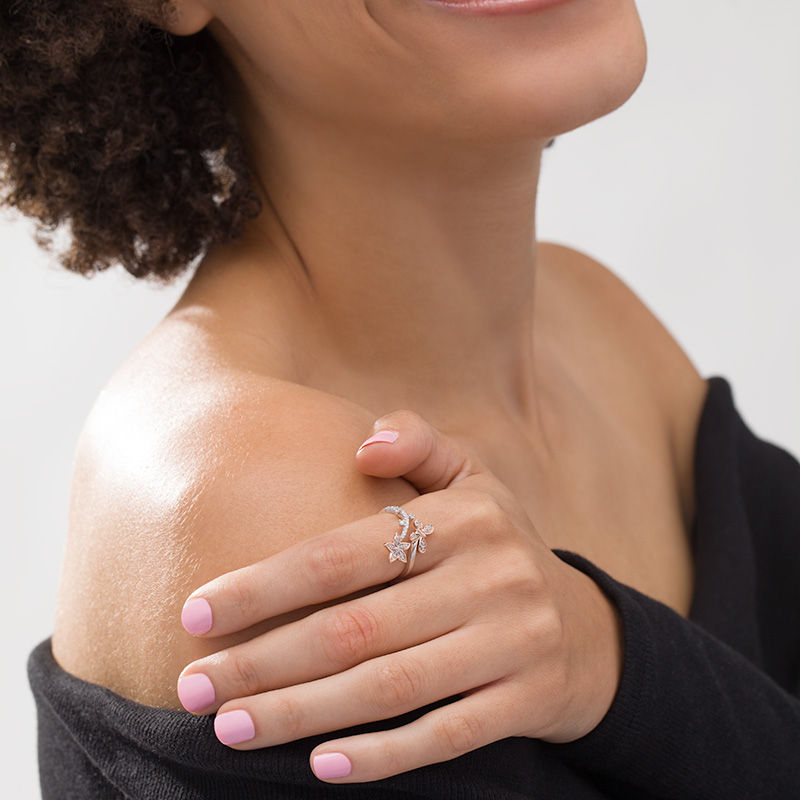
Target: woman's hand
pixel 488 611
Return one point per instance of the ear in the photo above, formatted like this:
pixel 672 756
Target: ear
pixel 185 17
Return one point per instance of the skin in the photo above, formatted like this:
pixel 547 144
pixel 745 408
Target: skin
pixel 460 143
pixel 550 644
pixel 397 148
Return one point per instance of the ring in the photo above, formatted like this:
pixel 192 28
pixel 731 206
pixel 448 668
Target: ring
pixel 397 547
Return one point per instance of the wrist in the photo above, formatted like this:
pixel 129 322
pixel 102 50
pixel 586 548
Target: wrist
pixel 596 637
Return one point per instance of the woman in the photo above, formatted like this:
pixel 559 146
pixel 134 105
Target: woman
pixel 603 597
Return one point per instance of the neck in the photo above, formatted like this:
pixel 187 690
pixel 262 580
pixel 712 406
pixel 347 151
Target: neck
pixel 410 265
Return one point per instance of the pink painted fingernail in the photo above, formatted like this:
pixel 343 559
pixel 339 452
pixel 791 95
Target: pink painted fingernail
pixel 331 765
pixel 380 436
pixel 196 616
pixel 196 691
pixel 233 727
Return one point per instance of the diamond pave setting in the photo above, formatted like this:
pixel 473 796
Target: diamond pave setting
pixel 397 547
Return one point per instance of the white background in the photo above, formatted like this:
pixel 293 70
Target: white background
pixel 690 192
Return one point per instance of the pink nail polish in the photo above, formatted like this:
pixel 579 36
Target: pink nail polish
pixel 380 436
pixel 232 727
pixel 331 765
pixel 196 616
pixel 196 691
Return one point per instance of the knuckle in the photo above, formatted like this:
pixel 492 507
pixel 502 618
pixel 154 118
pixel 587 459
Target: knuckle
pixel 350 633
pixel 289 716
pixel 389 759
pixel 544 632
pixel 396 685
pixel 332 563
pixel 245 674
pixel 525 576
pixel 458 733
pixel 551 627
pixel 241 597
pixel 489 515
pixel 536 576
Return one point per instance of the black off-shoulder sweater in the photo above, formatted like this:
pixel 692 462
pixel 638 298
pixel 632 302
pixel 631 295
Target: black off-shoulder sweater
pixel 708 707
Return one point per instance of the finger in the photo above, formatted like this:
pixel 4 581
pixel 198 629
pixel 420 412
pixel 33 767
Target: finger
pixel 334 564
pixel 482 717
pixel 325 643
pixel 380 688
pixel 427 458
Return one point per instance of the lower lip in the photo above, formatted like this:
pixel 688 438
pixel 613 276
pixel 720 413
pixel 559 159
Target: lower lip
pixel 496 7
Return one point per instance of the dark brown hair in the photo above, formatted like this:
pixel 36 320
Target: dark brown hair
pixel 111 124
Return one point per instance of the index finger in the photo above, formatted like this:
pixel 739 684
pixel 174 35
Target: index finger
pixel 333 564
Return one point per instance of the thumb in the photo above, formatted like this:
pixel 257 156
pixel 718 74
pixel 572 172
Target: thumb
pixel 405 445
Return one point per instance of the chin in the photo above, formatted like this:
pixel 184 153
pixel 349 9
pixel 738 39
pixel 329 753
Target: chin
pixel 592 83
pixel 410 70
pixel 527 75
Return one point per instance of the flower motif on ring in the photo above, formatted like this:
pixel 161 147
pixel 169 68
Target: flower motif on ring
pixel 396 550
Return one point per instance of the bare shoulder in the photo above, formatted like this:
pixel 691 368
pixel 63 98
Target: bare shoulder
pixel 597 291
pixel 180 479
pixel 627 332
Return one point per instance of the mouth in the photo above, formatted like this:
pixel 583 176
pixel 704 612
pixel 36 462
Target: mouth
pixel 496 7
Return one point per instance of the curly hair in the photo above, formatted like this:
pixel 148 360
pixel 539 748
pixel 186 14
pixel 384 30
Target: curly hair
pixel 114 126
pixel 111 124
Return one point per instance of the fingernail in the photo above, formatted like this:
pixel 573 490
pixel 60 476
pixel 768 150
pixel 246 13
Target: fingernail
pixel 380 436
pixel 233 727
pixel 331 765
pixel 196 616
pixel 196 691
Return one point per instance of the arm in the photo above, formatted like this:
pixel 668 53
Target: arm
pixel 693 718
